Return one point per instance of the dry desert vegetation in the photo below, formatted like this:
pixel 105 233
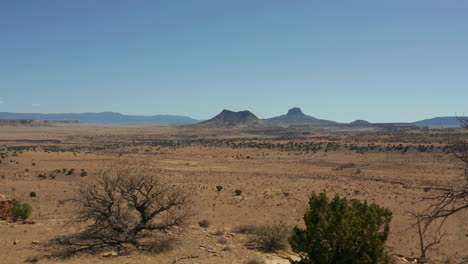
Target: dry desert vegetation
pixel 229 183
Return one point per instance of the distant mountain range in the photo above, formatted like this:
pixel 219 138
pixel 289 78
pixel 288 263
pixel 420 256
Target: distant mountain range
pixel 360 122
pixel 445 121
pixel 296 116
pixel 103 117
pixel 231 119
pixel 226 118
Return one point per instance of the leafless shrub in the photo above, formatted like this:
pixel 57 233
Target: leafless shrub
pixel 271 237
pixel 254 261
pixel 158 247
pixel 245 229
pixel 127 207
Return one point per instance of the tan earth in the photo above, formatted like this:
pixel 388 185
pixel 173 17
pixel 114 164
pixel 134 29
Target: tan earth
pixel 275 184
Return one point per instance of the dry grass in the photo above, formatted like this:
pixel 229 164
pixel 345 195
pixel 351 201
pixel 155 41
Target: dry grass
pixel 275 183
pixel 271 237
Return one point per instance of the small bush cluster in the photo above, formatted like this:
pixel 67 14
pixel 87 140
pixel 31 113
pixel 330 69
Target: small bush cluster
pixel 204 223
pixel 159 247
pixel 271 237
pixel 21 210
pixel 44 176
pixel 245 229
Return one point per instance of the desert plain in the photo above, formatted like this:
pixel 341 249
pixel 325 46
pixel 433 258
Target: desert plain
pixel 275 170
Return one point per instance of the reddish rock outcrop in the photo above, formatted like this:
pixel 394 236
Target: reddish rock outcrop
pixel 5 207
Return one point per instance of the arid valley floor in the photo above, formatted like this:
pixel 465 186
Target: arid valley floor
pixel 276 172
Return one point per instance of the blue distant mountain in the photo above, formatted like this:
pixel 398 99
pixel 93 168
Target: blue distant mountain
pixel 231 119
pixel 293 116
pixel 296 116
pixel 445 121
pixel 103 117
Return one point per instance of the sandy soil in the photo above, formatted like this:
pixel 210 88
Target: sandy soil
pixel 275 185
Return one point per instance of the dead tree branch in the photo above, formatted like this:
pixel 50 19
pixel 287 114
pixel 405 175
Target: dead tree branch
pixel 127 206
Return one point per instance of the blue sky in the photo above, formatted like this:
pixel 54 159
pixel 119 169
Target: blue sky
pixel 381 61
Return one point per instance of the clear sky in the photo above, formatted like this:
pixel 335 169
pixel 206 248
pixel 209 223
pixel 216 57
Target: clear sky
pixel 396 60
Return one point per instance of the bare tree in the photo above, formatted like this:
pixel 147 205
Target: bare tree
pixel 429 231
pixel 127 206
pixel 446 202
pixel 454 199
pixel 463 122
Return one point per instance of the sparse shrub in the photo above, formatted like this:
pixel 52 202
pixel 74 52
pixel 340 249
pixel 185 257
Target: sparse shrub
pixel 21 210
pixel 64 170
pixel 32 194
pixel 219 188
pixel 41 176
pixel 204 223
pixel 33 164
pixel 339 231
pixel 70 172
pixel 159 247
pixel 222 240
pixel 271 237
pixel 345 166
pixel 83 174
pixel 238 192
pixel 245 229
pixel 227 248
pixel 254 261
